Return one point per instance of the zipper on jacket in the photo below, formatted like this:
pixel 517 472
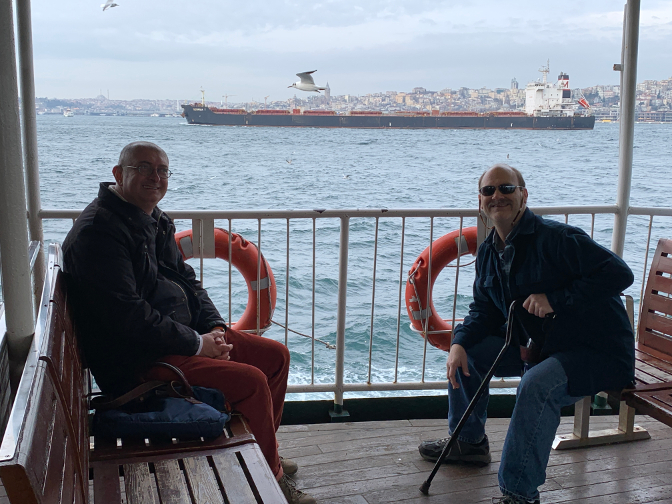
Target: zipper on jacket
pixel 185 299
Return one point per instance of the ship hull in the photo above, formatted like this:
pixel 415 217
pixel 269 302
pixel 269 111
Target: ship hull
pixel 205 116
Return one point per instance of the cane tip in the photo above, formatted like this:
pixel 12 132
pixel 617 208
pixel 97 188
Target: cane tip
pixel 424 488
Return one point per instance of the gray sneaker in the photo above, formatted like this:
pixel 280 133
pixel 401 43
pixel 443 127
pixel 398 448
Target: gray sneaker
pixel 293 494
pixel 478 454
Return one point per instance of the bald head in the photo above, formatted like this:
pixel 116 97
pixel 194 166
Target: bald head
pixel 127 154
pixel 504 166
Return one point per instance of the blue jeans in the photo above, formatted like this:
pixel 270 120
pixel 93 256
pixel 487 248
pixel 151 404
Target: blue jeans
pixel 541 394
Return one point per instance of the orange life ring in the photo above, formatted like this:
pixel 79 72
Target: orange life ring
pixel 244 256
pixel 444 250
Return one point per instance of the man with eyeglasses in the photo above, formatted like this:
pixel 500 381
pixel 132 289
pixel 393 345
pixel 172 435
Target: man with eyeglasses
pixel 137 302
pixel 571 313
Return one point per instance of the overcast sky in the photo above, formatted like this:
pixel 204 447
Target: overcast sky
pixel 252 49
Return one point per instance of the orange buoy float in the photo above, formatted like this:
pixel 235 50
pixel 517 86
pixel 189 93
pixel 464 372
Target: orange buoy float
pixel 244 257
pixel 444 250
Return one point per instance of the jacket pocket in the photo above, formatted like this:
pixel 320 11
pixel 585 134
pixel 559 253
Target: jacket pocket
pixel 171 300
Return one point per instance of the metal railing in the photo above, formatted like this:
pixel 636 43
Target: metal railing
pixel 373 253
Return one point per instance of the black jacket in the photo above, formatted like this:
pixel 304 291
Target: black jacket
pixel 134 298
pixel 591 334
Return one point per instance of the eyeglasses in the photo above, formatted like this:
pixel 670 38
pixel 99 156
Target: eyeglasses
pixel 147 170
pixel 489 190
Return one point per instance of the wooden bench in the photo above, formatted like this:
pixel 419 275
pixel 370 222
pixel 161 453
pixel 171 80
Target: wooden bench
pixel 652 394
pixel 47 455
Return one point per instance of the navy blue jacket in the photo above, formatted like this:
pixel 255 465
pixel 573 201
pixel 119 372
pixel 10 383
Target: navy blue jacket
pixel 591 334
pixel 134 298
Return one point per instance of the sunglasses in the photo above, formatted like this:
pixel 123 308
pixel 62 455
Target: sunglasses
pixel 489 190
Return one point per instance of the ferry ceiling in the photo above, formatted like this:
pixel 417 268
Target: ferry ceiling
pixel 20 206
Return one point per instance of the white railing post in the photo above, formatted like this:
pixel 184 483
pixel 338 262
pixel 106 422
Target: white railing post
pixel 25 36
pixel 15 265
pixel 627 124
pixel 339 413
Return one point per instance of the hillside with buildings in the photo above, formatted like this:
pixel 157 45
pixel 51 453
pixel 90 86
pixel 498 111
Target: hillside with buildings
pixel 654 102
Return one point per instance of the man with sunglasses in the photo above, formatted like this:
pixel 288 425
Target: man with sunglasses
pixel 137 302
pixel 569 287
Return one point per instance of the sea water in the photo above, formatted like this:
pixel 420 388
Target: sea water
pixel 246 168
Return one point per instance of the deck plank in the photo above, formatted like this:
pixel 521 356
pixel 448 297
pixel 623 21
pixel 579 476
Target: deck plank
pixel 378 462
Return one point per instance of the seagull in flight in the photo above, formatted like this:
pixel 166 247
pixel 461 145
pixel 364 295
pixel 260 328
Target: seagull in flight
pixel 108 5
pixel 306 83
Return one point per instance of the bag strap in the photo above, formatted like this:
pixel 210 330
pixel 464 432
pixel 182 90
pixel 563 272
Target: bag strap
pixel 180 374
pixel 103 403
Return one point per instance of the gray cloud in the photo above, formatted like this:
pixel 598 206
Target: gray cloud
pixel 170 48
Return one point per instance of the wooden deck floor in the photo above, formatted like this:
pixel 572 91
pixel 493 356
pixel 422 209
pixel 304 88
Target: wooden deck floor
pixel 378 462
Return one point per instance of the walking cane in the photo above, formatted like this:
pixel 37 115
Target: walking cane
pixel 424 488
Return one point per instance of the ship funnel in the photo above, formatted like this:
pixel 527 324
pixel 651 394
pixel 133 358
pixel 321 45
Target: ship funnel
pixel 563 80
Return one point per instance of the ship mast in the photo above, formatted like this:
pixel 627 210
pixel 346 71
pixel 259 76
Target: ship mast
pixel 545 70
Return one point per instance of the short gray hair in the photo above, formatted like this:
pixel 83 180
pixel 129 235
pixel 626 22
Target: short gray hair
pixel 519 176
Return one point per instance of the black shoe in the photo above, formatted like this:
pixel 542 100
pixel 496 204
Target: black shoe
pixel 509 499
pixel 460 451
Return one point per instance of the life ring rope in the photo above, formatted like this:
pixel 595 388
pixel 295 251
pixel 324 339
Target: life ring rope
pixel 325 343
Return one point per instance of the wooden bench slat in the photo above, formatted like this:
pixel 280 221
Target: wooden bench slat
pixel 139 484
pixel 664 264
pixel 662 304
pixel 649 403
pixel 663 345
pixel 646 369
pixel 107 450
pixel 660 284
pixel 233 478
pixel 51 454
pixel 170 482
pixel 204 487
pixel 653 357
pixel 264 480
pixel 642 377
pixel 106 485
pixel 657 324
pixel 664 397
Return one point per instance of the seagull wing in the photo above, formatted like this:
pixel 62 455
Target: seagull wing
pixel 306 78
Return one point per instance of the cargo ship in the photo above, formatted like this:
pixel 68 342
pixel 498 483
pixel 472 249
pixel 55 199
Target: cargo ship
pixel 547 106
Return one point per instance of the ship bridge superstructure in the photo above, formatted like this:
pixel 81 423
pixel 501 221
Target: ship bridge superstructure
pixel 545 98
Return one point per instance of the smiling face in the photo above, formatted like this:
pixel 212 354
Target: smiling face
pixel 142 191
pixel 503 210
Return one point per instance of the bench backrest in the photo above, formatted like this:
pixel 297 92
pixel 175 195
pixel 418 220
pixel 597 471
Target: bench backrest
pixel 655 317
pixel 50 460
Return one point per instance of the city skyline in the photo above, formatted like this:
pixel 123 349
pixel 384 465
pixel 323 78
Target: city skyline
pixel 137 50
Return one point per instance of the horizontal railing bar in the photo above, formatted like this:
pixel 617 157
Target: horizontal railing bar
pixel 575 209
pixel 663 212
pixel 355 212
pixel 381 387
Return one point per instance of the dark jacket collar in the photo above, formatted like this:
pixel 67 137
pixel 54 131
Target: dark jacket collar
pixel 127 211
pixel 526 225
